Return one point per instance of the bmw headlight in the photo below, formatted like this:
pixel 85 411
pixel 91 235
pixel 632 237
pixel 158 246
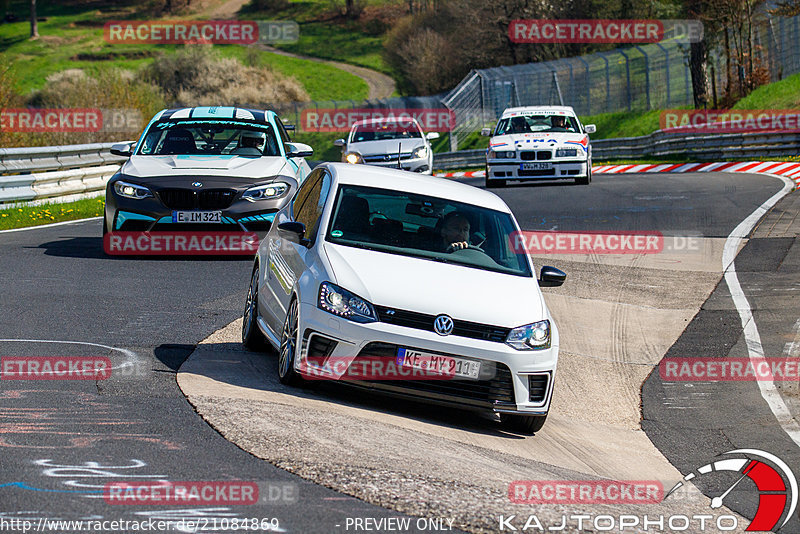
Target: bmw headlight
pixel 353 157
pixel 502 154
pixel 264 192
pixel 566 152
pixel 128 190
pixel 420 152
pixel 333 299
pixel 534 336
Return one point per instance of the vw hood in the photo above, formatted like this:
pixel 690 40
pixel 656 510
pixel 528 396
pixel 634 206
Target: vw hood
pixel 431 287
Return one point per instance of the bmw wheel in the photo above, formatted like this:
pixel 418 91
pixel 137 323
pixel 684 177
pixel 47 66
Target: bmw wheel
pixel 252 338
pixel 288 350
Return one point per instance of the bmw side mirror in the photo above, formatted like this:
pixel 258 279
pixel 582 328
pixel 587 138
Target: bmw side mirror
pixel 590 128
pixel 551 277
pixel 298 150
pixel 432 135
pixel 122 149
pixel 294 231
pixel 339 143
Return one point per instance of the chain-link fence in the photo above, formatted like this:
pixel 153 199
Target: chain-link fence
pixel 652 76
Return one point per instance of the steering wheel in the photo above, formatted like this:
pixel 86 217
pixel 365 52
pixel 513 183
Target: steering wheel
pixel 452 249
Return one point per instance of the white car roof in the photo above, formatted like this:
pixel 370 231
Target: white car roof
pixel 527 110
pixel 411 182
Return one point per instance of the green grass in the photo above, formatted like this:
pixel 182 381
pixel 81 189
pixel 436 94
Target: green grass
pixel 623 123
pixel 784 94
pixel 24 216
pixel 326 35
pixel 74 39
pixel 322 82
pixel 322 143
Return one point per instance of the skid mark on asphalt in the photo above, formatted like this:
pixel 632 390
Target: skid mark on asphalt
pixel 88 412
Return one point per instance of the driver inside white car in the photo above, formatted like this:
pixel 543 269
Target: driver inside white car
pixel 454 231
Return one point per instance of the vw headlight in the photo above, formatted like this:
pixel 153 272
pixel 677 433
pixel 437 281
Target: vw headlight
pixel 353 158
pixel 566 152
pixel 534 336
pixel 502 154
pixel 128 190
pixel 420 152
pixel 333 299
pixel 264 192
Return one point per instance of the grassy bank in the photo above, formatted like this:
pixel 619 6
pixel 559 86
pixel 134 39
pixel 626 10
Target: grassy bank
pixel 72 37
pixel 24 216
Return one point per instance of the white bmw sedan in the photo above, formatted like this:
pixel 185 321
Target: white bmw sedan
pixel 406 284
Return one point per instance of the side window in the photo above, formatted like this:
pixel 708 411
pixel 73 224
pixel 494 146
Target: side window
pixel 304 190
pixel 310 211
pixel 282 131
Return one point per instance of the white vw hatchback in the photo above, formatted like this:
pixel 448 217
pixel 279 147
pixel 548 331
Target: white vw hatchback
pixel 407 284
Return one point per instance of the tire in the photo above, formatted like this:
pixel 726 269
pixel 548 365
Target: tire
pixel 288 349
pixel 526 424
pixel 494 183
pixel 585 180
pixel 252 338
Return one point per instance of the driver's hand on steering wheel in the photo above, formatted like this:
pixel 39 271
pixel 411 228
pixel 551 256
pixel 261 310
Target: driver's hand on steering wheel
pixel 457 246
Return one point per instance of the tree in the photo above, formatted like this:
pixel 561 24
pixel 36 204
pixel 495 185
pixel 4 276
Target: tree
pixel 34 24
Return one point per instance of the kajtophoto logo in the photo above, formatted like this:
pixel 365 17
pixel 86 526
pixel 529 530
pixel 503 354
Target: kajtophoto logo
pixel 774 481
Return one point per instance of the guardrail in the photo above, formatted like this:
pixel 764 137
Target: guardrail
pixel 68 170
pixel 701 147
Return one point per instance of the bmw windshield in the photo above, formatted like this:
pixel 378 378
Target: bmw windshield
pixel 537 123
pixel 204 137
pixel 430 228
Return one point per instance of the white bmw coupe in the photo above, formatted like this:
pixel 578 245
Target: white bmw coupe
pixel 406 284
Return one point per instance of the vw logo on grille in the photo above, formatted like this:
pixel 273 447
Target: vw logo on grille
pixel 443 325
pixel 387 158
pixel 197 184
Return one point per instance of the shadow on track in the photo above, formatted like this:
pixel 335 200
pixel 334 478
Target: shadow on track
pixel 236 366
pixel 92 248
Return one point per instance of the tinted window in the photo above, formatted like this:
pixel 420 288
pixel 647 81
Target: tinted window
pixel 308 207
pixel 422 226
pixel 209 137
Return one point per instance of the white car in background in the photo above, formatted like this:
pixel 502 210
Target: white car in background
pixel 538 143
pixel 381 142
pixel 377 265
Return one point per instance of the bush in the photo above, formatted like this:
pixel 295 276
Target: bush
pixel 198 76
pixel 107 89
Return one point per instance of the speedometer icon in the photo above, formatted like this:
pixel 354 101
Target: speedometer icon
pixel 775 483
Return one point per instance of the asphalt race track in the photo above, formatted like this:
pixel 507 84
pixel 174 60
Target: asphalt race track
pixel 170 328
